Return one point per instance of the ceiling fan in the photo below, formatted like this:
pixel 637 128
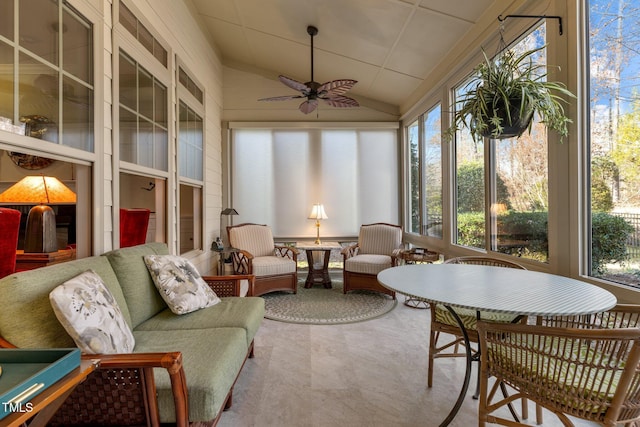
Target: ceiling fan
pixel 330 92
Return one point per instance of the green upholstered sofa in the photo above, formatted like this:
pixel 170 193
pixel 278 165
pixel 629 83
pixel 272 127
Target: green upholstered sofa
pixel 190 361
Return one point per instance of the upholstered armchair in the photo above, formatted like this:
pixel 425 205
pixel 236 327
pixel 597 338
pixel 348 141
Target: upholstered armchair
pixel 133 226
pixel 377 249
pixel 9 228
pixel 274 267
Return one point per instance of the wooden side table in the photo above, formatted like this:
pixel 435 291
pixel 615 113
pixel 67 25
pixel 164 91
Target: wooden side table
pixel 318 269
pixel 45 405
pixel 30 260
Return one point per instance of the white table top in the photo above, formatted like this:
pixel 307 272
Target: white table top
pixel 497 289
pixel 323 246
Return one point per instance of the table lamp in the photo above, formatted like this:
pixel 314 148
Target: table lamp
pixel 318 213
pixel 40 234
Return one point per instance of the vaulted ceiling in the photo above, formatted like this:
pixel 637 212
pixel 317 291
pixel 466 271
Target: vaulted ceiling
pixel 388 46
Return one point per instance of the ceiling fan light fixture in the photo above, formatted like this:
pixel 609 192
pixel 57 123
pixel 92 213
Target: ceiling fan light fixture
pixel 332 92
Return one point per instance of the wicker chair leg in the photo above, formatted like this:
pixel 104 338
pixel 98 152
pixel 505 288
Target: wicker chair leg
pixel 433 339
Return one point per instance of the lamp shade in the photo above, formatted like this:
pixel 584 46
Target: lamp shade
pixel 229 211
pixel 40 232
pixel 317 212
pixel 38 189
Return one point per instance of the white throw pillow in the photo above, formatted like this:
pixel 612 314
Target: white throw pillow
pixel 91 316
pixel 179 283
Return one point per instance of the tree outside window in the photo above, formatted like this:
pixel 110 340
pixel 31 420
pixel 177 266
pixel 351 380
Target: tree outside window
pixel 614 140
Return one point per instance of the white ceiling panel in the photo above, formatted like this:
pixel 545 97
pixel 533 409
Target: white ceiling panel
pixel 389 46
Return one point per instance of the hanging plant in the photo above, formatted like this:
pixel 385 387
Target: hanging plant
pixel 505 93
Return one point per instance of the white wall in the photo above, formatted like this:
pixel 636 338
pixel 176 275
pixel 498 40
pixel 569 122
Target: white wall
pixel 172 22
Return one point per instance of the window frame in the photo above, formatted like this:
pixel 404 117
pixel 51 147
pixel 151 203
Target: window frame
pixel 184 95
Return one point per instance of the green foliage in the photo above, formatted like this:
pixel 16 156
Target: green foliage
pixel 604 172
pixel 504 90
pixel 470 180
pixel 471 229
pixel 601 198
pixel 608 241
pixel 529 227
pixel 626 153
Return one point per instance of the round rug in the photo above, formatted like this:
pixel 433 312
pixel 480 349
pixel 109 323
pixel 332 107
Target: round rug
pixel 320 306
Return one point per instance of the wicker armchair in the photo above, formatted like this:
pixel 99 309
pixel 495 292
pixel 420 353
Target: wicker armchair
pixel 377 249
pixel 586 367
pixel 121 392
pixel 274 267
pixel 442 322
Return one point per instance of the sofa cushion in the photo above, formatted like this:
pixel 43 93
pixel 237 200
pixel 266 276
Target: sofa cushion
pixel 90 314
pixel 212 359
pixel 28 292
pixel 379 239
pixel 246 313
pixel 142 297
pixel 270 265
pixel 179 283
pixel 253 238
pixel 367 264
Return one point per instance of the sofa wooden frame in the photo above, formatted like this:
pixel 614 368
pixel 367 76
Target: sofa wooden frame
pixel 131 375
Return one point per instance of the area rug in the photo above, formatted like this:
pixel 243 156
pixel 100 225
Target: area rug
pixel 320 306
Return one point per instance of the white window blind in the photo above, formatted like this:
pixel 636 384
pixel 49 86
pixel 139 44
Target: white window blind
pixel 278 174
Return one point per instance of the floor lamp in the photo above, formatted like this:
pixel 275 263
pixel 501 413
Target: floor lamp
pixel 225 212
pixel 40 234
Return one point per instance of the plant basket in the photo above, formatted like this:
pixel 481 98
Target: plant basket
pixel 513 123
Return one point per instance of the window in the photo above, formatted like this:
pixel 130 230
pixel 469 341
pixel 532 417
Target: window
pixel 278 174
pixel 143 116
pixel 143 122
pixel 144 36
pixel 432 163
pixel 502 185
pixel 53 93
pixel 470 185
pixel 190 143
pixel 414 176
pixel 614 140
pixel 190 162
pixel 425 164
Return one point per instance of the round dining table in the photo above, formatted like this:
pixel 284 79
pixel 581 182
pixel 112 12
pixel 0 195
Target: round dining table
pixel 495 289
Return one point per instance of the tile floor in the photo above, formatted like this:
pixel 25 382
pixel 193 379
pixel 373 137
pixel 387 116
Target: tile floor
pixel 368 374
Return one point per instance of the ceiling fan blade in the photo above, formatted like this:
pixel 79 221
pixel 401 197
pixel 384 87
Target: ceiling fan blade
pixel 341 101
pixel 294 84
pixel 308 106
pixel 336 87
pixel 281 98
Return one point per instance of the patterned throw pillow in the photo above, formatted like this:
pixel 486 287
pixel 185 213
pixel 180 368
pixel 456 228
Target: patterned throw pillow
pixel 91 316
pixel 179 283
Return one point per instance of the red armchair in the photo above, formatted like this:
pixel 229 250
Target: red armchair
pixel 133 226
pixel 9 228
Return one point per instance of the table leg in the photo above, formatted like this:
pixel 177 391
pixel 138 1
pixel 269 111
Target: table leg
pixel 467 373
pixel 318 273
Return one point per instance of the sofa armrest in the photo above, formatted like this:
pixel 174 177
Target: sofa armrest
pixel 287 252
pixel 350 251
pixel 242 262
pixel 131 375
pixel 137 365
pixel 229 286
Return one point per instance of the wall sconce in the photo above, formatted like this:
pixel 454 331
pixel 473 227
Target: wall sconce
pixel 318 213
pixel 40 235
